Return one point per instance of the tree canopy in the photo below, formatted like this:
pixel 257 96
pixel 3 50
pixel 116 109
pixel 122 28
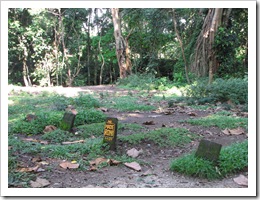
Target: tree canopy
pixel 80 46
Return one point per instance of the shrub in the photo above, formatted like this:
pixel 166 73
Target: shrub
pixel 234 89
pixel 89 116
pixel 86 101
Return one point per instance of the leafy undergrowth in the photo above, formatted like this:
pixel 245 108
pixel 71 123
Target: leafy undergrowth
pixel 220 120
pixel 163 137
pixel 233 158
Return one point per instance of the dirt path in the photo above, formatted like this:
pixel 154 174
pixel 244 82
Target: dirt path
pixel 155 170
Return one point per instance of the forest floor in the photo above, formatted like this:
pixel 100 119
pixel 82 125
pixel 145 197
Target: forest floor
pixel 155 170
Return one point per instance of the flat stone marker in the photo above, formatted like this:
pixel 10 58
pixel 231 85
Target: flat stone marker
pixel 110 132
pixel 67 121
pixel 208 150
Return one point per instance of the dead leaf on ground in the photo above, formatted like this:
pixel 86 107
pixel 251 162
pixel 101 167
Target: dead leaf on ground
pixel 30 117
pixel 192 114
pixel 30 140
pixel 36 159
pixel 28 169
pixel 49 128
pixel 241 180
pixel 237 131
pixel 103 109
pixel 44 142
pixel 69 165
pixel 114 162
pixel 74 142
pixel 40 182
pixel 167 112
pixel 133 152
pixel 133 165
pixel 149 123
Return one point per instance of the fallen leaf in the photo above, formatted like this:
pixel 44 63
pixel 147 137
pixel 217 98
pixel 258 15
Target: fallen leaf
pixel 40 170
pixel 167 112
pixel 74 161
pixel 40 182
pixel 49 128
pixel 209 132
pixel 98 161
pixel 30 140
pixel 103 109
pixel 28 169
pixel 149 123
pixel 237 131
pixel 226 132
pixel 74 142
pixel 44 142
pixel 241 180
pixel 133 165
pixel 114 162
pixel 36 159
pixel 192 114
pixel 133 153
pixel 69 165
pixel 31 117
pixel 44 163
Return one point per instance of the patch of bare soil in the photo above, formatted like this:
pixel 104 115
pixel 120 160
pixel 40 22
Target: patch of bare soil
pixel 156 160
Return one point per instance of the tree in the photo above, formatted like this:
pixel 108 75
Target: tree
pixel 205 60
pixel 181 45
pixel 120 44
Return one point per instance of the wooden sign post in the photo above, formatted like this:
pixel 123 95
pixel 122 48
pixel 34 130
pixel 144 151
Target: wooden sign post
pixel 67 121
pixel 208 150
pixel 110 132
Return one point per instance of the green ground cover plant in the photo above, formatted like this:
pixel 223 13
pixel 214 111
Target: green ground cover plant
pixel 220 120
pixel 163 137
pixel 128 103
pixel 233 158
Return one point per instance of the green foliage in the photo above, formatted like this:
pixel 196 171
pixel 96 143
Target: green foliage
pixel 94 129
pixel 57 136
pixel 36 126
pixel 162 137
pixel 145 82
pixel 220 90
pixel 128 103
pixel 86 101
pixel 232 159
pixel 89 116
pixel 220 121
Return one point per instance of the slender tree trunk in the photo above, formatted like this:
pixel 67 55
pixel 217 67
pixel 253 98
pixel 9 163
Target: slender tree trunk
pixel 120 43
pixel 103 62
pixel 181 45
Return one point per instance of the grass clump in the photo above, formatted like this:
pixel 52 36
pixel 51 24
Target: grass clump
pixel 162 137
pixel 89 116
pixel 232 159
pixel 58 136
pixel 220 120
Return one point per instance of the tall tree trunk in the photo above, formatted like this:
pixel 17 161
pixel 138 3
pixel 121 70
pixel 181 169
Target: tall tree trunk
pixel 216 22
pixel 181 45
pixel 204 60
pixel 120 43
pixel 103 62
